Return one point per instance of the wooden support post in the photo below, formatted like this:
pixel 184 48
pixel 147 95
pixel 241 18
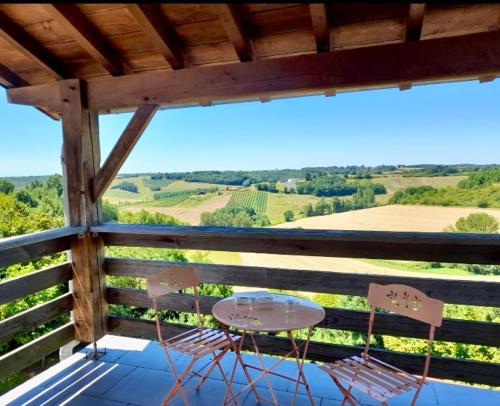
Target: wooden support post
pixel 81 159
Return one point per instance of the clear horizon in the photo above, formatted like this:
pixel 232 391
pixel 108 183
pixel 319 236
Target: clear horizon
pixel 449 123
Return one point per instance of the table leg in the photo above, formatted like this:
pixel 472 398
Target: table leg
pixel 301 378
pixel 238 360
pixel 264 370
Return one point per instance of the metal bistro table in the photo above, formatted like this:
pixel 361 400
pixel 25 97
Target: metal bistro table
pixel 284 314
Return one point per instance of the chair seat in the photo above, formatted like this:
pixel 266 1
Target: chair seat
pixel 199 341
pixel 373 377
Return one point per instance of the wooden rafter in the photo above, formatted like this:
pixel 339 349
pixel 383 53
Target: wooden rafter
pixel 149 18
pixel 414 21
pixel 87 36
pixel 122 149
pixel 29 46
pixel 453 58
pixel 10 79
pixel 319 20
pixel 230 16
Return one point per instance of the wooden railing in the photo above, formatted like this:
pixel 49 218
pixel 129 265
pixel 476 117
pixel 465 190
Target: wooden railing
pixel 459 248
pixel 23 249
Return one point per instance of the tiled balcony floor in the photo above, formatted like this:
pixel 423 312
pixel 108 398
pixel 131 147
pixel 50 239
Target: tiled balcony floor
pixel 135 372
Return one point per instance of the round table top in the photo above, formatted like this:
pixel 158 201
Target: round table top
pixel 284 313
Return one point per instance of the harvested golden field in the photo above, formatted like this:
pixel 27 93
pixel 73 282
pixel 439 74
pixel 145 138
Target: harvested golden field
pixel 189 214
pixel 391 218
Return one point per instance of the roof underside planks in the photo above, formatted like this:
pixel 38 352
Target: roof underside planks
pixel 40 44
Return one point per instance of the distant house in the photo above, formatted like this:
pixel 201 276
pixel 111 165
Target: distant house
pixel 233 188
pixel 292 183
pixel 200 192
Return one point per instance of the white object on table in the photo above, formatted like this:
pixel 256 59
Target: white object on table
pixel 261 296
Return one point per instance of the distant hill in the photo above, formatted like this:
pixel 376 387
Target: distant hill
pixel 21 181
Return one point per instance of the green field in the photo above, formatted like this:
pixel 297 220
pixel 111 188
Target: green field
pixel 248 198
pixel 278 203
pixel 420 267
pixel 394 183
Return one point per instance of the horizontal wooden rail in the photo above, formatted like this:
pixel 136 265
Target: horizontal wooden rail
pixel 35 350
pixel 32 246
pixel 444 247
pixel 443 368
pixel 467 292
pixel 24 285
pixel 29 319
pixel 453 330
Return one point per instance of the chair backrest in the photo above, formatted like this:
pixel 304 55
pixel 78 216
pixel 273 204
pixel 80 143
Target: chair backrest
pixel 172 280
pixel 406 301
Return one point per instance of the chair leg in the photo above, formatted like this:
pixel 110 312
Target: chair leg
pixel 177 387
pixel 215 362
pixel 414 400
pixel 347 393
pixel 345 398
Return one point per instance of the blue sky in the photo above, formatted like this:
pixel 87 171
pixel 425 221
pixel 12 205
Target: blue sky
pixel 446 123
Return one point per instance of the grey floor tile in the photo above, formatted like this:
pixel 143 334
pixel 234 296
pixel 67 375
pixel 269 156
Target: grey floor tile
pixel 151 356
pixel 141 387
pixel 285 368
pixel 211 393
pixel 93 379
pixel 34 397
pixel 319 382
pixel 283 398
pixel 84 400
pixel 450 394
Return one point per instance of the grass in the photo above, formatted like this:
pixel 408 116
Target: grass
pixel 393 183
pixel 256 200
pixel 421 267
pixel 278 203
pixel 181 185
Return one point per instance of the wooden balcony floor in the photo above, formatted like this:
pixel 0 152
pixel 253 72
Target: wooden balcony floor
pixel 135 372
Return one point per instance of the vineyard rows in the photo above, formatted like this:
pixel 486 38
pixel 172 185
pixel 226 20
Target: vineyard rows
pixel 256 200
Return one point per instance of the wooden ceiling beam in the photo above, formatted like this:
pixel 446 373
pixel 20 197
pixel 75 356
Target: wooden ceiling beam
pixel 431 61
pixel 11 79
pixel 122 149
pixel 321 30
pixel 30 47
pixel 414 21
pixel 87 36
pixel 230 17
pixel 149 18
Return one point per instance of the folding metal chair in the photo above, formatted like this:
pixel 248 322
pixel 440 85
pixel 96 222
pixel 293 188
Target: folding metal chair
pixel 372 376
pixel 197 342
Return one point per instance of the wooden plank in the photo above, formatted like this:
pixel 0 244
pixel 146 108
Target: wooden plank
pixel 414 21
pixel 440 367
pixel 417 246
pixel 430 61
pixel 81 159
pixel 149 17
pixel 24 285
pixel 463 331
pixel 122 149
pixel 23 248
pixel 29 319
pixel 467 292
pixel 87 36
pixel 231 19
pixel 10 78
pixel 30 47
pixel 319 19
pixel 35 350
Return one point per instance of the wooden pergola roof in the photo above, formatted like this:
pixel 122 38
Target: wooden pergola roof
pixel 185 54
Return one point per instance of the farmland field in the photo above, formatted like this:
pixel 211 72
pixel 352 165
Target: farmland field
pixel 394 183
pixel 256 200
pixel 188 214
pixel 389 218
pixel 278 203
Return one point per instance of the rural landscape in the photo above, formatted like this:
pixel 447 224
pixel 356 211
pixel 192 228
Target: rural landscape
pixel 434 198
